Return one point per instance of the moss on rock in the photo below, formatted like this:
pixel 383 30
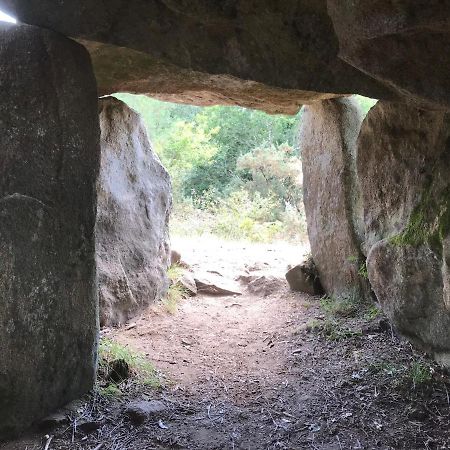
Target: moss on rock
pixel 429 222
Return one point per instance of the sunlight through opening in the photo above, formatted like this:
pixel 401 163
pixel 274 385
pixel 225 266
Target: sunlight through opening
pixel 7 18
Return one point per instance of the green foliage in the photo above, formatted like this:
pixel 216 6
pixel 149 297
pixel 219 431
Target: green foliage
pixel 331 329
pixel 174 296
pixel 414 375
pixel 362 271
pixel 228 163
pixel 111 391
pixel 238 216
pixel 365 103
pixel 176 292
pixel 237 131
pixel 274 172
pixel 372 312
pixel 346 306
pixel 174 272
pixel 362 266
pixel 384 367
pixel 141 368
pixel 419 373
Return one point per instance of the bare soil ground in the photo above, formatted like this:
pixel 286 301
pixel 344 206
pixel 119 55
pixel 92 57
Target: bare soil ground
pixel 269 369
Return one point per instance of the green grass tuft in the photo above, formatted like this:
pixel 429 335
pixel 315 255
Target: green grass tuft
pixel 142 370
pixel 174 272
pixel 174 296
pixel 419 373
pixel 347 306
pixel 372 312
pixel 111 391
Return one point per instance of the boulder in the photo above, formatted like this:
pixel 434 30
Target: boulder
pixel 331 192
pixel 177 260
pixel 408 281
pixel 209 283
pixel 187 282
pixel 175 257
pixel 305 278
pixel 265 285
pixel 268 55
pixel 132 229
pixel 404 167
pixel 141 410
pixel 49 146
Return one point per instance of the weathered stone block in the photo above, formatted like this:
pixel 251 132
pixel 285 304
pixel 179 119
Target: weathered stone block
pixel 404 169
pixel 398 148
pixel 134 205
pixel 331 195
pixel 49 152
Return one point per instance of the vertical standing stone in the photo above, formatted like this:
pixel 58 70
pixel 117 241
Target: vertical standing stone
pixel 331 195
pixel 404 170
pixel 134 205
pixel 49 157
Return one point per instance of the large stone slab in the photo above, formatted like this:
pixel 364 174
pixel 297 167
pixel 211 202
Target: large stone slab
pixel 49 153
pixel 331 194
pixel 261 54
pixel 134 205
pixel 404 44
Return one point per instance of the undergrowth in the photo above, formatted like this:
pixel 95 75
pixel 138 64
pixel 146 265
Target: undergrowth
pixel 239 217
pixel 417 374
pixel 176 292
pixel 134 368
pixel 345 306
pixel 332 329
pixel 174 296
pixel 336 325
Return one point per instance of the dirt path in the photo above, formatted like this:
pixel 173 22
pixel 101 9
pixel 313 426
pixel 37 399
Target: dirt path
pixel 224 340
pixel 269 369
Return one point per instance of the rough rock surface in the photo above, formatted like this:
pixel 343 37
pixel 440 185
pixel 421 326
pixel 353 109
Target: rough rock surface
pixel 404 44
pixel 332 204
pixel 260 54
pixel 305 278
pixel 409 284
pixel 141 410
pixel 187 282
pixel 211 283
pixel 398 148
pixel 134 204
pixel 266 285
pixel 49 145
pixel 404 165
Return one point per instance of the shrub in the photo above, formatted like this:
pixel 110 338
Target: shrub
pixel 238 216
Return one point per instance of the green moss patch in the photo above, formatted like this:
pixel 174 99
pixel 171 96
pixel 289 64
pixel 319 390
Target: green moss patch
pixel 429 222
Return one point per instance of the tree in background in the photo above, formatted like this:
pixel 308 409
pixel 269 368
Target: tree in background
pixel 235 169
pixel 237 132
pixel 275 172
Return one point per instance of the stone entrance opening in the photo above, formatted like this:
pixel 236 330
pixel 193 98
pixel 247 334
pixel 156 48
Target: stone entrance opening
pixel 377 204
